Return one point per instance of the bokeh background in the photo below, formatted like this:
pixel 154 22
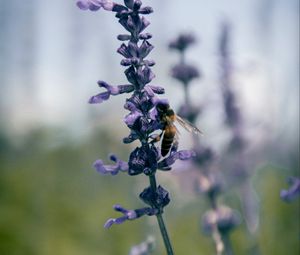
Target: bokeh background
pixel 51 55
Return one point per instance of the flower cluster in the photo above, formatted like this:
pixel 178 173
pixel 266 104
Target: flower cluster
pixel 143 120
pixel 182 71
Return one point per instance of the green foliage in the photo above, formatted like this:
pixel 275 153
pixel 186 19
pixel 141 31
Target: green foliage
pixel 53 202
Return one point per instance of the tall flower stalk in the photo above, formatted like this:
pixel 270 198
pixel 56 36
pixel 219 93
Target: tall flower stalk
pixel 144 118
pixel 220 219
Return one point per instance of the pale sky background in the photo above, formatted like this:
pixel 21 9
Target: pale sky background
pixel 52 54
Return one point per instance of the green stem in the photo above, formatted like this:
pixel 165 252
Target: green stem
pixel 164 234
pixel 161 223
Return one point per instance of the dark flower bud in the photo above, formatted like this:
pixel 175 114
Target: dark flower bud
pixel 143 158
pixel 145 36
pixel 157 199
pixel 182 42
pixel 124 37
pixel 129 3
pixel 119 8
pixel 149 62
pixel 131 75
pixel 146 10
pixel 137 4
pixel 126 62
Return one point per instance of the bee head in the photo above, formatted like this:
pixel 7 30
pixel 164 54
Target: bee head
pixel 162 107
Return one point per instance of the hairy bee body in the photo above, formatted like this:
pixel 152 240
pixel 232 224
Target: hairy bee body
pixel 168 139
pixel 169 134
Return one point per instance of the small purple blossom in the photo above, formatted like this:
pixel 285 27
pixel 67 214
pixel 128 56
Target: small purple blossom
pixel 174 155
pixel 184 73
pixel 129 215
pixel 182 42
pixel 119 166
pixel 111 90
pixel 294 190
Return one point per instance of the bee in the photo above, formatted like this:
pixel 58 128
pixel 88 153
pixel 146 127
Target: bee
pixel 169 134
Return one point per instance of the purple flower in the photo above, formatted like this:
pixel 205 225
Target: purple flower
pixel 184 73
pixel 167 162
pixel 129 215
pixel 111 90
pixel 182 42
pixel 294 190
pixel 111 169
pixel 94 5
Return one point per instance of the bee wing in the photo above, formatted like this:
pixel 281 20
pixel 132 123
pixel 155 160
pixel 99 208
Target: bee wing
pixel 188 126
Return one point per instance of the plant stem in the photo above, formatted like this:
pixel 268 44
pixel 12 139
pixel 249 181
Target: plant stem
pixel 160 220
pixel 164 234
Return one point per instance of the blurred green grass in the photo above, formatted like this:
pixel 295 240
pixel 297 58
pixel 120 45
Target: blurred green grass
pixel 53 202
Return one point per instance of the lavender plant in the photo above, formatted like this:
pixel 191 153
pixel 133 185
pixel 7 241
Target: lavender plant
pixel 220 219
pixel 144 118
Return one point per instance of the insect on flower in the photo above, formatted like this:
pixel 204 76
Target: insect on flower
pixel 170 132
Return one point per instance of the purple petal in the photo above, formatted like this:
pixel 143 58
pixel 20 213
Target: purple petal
pixel 99 98
pixel 157 89
pixel 149 91
pixel 111 169
pixel 107 5
pixel 119 208
pixel 123 50
pixel 145 49
pixel 109 223
pixel 132 117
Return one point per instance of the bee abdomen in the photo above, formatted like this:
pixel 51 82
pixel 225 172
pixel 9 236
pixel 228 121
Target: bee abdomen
pixel 168 139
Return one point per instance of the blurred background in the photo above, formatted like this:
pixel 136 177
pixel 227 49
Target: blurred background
pixel 51 56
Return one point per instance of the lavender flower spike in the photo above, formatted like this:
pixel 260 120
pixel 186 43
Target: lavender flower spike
pixel 145 114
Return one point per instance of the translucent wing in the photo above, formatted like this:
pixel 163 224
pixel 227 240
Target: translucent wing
pixel 188 126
